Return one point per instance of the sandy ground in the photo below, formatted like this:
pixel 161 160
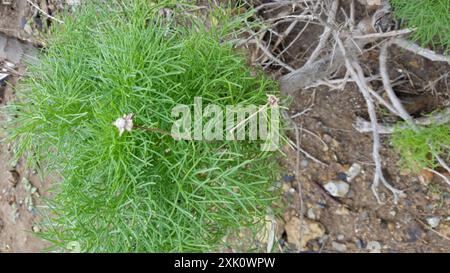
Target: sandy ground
pixel 18 201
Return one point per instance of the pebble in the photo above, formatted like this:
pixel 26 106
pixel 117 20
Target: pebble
pixel 359 243
pixel 337 188
pixel 339 247
pixel 353 171
pixel 340 237
pixel 35 229
pixel 341 176
pixel 311 230
pixel 341 211
pixel 304 163
pixel 288 178
pixel 434 221
pixel 310 214
pixel 373 247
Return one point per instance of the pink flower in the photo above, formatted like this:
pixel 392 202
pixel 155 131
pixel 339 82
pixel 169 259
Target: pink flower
pixel 124 123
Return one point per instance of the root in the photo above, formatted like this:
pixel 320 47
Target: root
pixel 350 40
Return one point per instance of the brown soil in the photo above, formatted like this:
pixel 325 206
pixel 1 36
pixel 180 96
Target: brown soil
pixel 349 224
pixel 18 216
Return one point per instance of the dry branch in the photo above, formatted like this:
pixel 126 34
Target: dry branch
pixel 424 52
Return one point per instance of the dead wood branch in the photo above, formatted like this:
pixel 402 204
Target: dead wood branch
pixel 326 33
pixel 357 74
pixel 440 118
pixel 388 88
pixel 424 52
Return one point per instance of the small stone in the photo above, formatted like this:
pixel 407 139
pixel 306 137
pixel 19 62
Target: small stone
pixel 341 176
pixel 35 229
pixel 291 191
pixel 337 188
pixel 340 237
pixel 311 230
pixel 339 247
pixel 327 138
pixel 373 247
pixel 304 163
pixel 434 221
pixel 288 178
pixel 353 171
pixel 359 243
pixel 342 211
pixel 310 214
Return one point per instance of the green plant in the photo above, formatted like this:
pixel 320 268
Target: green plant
pixel 419 147
pixel 143 191
pixel 430 17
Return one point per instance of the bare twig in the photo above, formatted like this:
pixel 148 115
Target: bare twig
pixel 357 74
pixel 45 13
pixel 443 117
pixel 385 34
pixel 388 88
pixel 270 55
pixel 424 52
pixel 298 148
pixel 440 175
pixel 326 33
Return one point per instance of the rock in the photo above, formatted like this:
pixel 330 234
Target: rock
pixel 353 171
pixel 337 188
pixel 304 163
pixel 327 138
pixel 434 221
pixel 339 247
pixel 340 237
pixel 288 178
pixel 311 214
pixel 373 247
pixel 359 243
pixel 342 211
pixel 311 230
pixel 35 229
pixel 341 176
